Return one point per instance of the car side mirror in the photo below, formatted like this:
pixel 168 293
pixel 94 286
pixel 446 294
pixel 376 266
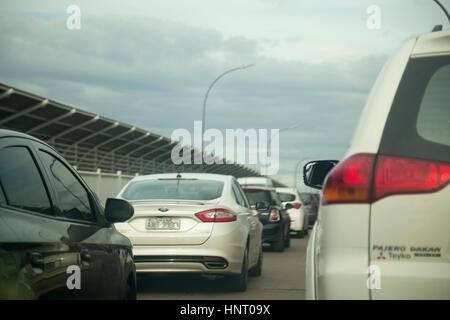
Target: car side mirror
pixel 261 206
pixel 118 210
pixel 314 172
pixel 288 206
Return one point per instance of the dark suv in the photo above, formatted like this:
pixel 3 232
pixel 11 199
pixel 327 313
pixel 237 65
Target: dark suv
pixel 273 216
pixel 311 205
pixel 56 239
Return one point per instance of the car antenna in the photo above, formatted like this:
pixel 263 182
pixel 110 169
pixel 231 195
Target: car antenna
pixel 445 11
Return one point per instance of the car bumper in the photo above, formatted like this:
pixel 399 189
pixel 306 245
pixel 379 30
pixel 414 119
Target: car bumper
pixel 312 219
pixel 271 232
pixel 297 221
pixel 224 251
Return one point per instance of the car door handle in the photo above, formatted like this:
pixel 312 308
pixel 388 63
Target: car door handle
pixel 85 256
pixel 36 260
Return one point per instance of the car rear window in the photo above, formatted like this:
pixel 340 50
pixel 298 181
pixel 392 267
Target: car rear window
pixel 306 198
pixel 433 122
pixel 176 189
pixel 418 124
pixel 255 196
pixel 286 197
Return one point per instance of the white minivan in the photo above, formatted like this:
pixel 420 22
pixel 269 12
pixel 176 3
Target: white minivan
pixel 383 228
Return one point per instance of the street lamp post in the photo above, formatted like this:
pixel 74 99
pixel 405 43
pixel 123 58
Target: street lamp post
pixel 209 89
pixel 279 131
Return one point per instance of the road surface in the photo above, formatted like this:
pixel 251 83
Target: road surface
pixel 283 278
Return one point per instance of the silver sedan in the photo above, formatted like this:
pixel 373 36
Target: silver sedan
pixel 193 223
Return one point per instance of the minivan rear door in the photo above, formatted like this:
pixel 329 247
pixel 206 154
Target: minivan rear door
pixel 410 217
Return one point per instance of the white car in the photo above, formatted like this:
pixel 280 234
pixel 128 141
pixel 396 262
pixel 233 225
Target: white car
pixel 193 223
pixel 383 230
pixel 299 217
pixel 255 182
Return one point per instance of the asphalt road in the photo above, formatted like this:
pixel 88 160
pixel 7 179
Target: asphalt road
pixel 283 278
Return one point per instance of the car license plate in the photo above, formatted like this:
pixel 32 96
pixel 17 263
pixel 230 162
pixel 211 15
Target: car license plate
pixel 163 223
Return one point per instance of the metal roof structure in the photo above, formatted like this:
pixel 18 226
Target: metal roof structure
pixel 90 142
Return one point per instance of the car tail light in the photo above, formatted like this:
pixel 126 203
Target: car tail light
pixel 350 180
pixel 366 178
pixel 314 207
pixel 296 205
pixel 216 215
pixel 274 215
pixel 395 175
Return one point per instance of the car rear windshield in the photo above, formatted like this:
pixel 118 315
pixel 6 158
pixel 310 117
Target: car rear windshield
pixel 306 198
pixel 176 189
pixel 286 197
pixel 418 125
pixel 255 196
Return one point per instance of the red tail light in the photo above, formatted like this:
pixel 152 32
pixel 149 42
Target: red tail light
pixel 314 207
pixel 297 205
pixel 216 215
pixel 350 180
pixel 399 175
pixel 356 181
pixel 274 215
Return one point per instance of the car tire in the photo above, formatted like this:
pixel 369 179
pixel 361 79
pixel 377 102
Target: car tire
pixel 278 245
pixel 130 291
pixel 287 240
pixel 239 282
pixel 257 270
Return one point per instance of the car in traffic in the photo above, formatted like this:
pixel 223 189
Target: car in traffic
pixel 273 216
pixel 56 239
pixel 298 214
pixel 193 223
pixel 311 205
pixel 383 224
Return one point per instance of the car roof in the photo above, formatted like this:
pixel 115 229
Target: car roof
pixel 433 43
pixel 4 133
pixel 206 176
pixel 253 179
pixel 287 190
pixel 257 188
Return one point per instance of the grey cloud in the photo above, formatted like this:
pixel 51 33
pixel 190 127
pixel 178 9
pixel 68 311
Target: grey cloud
pixel 153 74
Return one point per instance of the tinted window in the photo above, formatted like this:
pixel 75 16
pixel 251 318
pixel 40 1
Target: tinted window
pixel 177 189
pixel 286 197
pixel 255 196
pixel 2 196
pixel 418 123
pixel 433 122
pixel 73 199
pixel 22 182
pixel 240 197
pixel 306 198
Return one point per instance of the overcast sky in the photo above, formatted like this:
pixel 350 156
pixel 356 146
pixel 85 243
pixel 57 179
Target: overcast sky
pixel 148 63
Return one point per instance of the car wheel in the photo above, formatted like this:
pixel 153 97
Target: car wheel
pixel 287 241
pixel 278 245
pixel 239 282
pixel 257 270
pixel 305 232
pixel 130 291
